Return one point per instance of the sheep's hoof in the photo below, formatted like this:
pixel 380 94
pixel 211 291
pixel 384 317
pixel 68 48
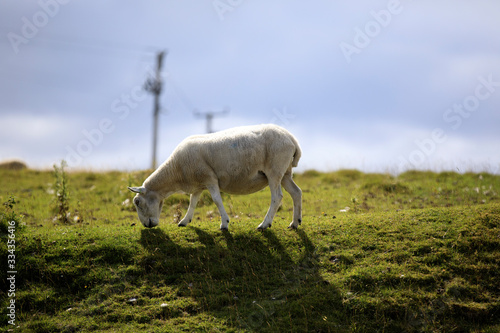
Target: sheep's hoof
pixel 224 229
pixel 292 227
pixel 181 225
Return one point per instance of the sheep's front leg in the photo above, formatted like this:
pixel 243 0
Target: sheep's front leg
pixel 193 201
pixel 216 197
pixel 276 196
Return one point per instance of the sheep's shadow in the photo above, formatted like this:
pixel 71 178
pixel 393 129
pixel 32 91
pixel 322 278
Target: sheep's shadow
pixel 253 280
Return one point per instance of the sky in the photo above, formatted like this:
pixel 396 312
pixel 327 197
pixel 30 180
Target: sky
pixel 379 86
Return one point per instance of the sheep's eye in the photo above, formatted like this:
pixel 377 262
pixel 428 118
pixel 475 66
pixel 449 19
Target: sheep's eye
pixel 136 202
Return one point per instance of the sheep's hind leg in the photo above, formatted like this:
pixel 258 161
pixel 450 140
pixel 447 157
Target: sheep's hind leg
pixel 193 201
pixel 216 197
pixel 276 196
pixel 296 194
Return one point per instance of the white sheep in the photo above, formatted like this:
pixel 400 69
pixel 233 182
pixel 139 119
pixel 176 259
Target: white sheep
pixel 241 160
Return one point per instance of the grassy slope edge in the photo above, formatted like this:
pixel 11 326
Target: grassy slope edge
pixel 415 253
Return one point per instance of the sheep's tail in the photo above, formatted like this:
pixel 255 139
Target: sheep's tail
pixel 298 153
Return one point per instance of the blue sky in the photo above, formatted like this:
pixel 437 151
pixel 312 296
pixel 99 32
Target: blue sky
pixel 380 86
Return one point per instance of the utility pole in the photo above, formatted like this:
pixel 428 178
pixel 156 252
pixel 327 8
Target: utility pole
pixel 209 116
pixel 154 86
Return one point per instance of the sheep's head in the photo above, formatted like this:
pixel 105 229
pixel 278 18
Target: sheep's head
pixel 148 205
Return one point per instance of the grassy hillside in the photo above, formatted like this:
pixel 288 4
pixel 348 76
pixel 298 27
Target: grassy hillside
pixel 416 253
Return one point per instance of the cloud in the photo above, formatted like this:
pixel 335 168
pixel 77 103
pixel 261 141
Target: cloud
pixel 39 128
pixel 262 57
pixel 37 139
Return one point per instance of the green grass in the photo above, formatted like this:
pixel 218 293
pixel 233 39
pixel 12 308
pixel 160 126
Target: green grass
pixel 413 253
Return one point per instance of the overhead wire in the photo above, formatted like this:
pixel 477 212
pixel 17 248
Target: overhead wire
pixel 78 44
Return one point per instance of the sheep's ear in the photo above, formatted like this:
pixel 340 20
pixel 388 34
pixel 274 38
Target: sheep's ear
pixel 141 189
